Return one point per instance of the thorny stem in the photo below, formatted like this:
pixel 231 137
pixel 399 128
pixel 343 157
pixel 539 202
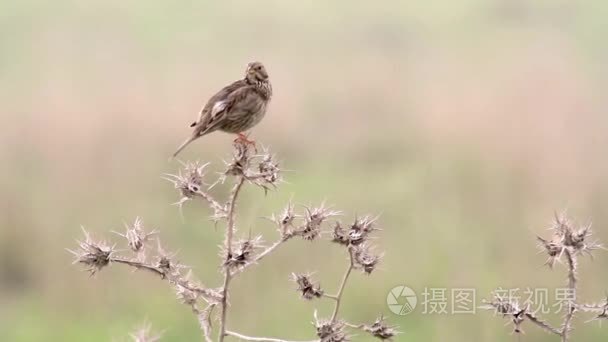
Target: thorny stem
pixel 98 256
pixel 215 205
pixel 571 261
pixel 260 339
pixel 204 317
pixel 139 265
pixel 205 293
pixel 542 324
pixel 566 325
pixel 265 253
pixel 228 246
pixel 338 296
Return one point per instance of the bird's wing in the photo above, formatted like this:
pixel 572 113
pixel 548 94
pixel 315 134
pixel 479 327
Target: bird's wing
pixel 214 105
pixel 221 108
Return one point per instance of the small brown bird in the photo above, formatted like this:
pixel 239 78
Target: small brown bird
pixel 236 108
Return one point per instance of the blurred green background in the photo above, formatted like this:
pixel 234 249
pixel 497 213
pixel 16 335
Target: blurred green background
pixel 465 124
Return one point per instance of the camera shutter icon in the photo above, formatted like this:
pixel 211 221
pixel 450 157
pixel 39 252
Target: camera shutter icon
pixel 401 300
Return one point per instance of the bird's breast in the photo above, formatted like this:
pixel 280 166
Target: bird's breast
pixel 264 89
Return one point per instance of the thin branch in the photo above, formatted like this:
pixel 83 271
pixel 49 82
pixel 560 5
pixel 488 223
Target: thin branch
pixel 572 280
pixel 341 290
pixel 204 318
pixel 542 324
pixel 265 253
pixel 261 339
pixel 566 327
pixel 139 265
pixel 228 247
pixel 253 176
pixel 207 295
pixel 592 307
pixel 572 265
pixel 215 205
pixel 332 297
pixel 354 326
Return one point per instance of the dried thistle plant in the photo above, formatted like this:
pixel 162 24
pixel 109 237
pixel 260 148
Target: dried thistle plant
pixel 567 242
pixel 237 255
pixel 144 334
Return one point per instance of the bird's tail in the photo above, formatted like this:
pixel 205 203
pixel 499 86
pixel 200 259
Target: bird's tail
pixel 184 144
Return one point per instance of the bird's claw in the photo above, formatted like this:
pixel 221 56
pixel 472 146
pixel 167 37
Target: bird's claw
pixel 244 139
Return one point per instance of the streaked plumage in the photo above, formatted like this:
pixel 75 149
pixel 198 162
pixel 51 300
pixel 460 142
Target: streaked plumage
pixel 236 108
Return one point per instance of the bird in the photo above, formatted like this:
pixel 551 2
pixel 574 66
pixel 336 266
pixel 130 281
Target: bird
pixel 236 108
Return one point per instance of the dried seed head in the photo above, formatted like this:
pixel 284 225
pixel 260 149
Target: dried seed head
pixel 165 263
pixel 508 307
pixel 602 308
pixel 358 232
pixel 144 334
pixel 518 318
pixel 136 235
pixel 93 254
pixel 380 330
pixel 288 215
pixel 284 221
pixel 502 305
pixel 553 249
pixel 330 331
pixel 305 286
pixel 363 226
pixel 567 237
pixel 365 259
pixel 241 157
pixel 242 253
pixel 188 181
pixel 269 170
pixel 313 220
pixel 340 234
pixel 602 316
pixel 578 237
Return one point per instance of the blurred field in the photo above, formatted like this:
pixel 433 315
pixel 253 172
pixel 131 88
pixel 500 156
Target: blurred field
pixel 465 123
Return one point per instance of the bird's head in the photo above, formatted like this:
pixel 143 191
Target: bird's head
pixel 256 72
